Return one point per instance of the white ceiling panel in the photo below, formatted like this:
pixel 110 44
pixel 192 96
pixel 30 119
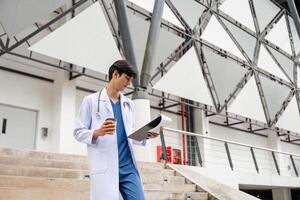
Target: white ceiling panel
pixel 215 34
pixel 248 103
pixel 190 10
pixel 286 63
pixel 167 13
pixel 266 62
pixel 265 11
pixel 85 40
pixel 225 73
pixel 240 11
pixel 185 79
pixel 275 94
pixel 289 117
pixel 17 15
pixel 245 40
pixel 279 35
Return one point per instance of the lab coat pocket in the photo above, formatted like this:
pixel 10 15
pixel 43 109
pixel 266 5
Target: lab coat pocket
pixel 98 161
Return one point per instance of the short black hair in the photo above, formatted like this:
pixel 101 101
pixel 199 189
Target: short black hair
pixel 122 66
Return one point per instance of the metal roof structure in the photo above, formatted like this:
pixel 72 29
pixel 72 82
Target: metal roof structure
pixel 243 56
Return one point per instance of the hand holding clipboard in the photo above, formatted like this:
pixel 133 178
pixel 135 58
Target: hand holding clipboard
pixel 151 127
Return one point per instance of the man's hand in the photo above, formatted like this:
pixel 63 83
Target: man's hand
pixel 151 135
pixel 108 127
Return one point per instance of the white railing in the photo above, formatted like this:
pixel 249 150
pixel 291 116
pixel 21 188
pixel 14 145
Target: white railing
pixel 237 156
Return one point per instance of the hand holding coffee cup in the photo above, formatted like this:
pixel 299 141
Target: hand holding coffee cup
pixel 108 127
pixel 111 125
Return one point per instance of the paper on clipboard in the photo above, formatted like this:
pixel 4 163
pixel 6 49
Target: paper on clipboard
pixel 153 126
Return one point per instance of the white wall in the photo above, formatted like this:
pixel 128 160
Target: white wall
pixel 26 92
pixel 241 156
pixel 290 147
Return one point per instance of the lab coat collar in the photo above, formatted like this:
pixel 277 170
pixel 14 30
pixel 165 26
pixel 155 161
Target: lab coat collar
pixel 104 95
pixel 104 98
pixel 124 100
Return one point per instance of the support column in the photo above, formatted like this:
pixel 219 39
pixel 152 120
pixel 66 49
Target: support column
pixel 126 37
pixel 281 194
pixel 64 99
pixel 274 142
pixel 142 116
pixel 202 126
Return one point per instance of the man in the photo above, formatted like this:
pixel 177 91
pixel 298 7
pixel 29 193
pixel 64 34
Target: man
pixel 104 121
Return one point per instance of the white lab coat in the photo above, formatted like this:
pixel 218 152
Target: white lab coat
pixel 103 152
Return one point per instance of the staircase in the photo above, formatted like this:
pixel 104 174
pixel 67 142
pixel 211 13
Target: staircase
pixel 32 175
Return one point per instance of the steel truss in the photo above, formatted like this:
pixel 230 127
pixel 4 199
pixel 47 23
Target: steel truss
pixel 192 39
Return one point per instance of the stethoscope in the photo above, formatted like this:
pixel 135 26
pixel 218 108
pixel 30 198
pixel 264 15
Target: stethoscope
pixel 98 108
pixel 98 105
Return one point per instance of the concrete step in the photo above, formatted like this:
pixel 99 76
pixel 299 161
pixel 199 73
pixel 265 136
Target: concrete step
pixel 63 194
pixel 42 172
pixel 32 167
pixel 183 188
pixel 42 182
pixel 176 196
pixel 40 155
pixel 51 163
pixel 46 182
pixel 160 179
pixel 150 165
pixel 157 172
pixel 34 175
pixel 34 184
pixel 41 194
pixel 48 163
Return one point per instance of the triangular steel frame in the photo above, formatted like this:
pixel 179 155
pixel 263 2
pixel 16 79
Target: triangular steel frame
pixel 192 36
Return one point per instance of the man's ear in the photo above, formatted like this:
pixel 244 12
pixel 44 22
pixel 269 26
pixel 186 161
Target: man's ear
pixel 115 74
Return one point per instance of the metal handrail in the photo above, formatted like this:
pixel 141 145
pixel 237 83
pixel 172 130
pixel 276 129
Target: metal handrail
pixel 228 141
pixel 164 155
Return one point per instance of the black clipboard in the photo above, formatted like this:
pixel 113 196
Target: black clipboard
pixel 142 133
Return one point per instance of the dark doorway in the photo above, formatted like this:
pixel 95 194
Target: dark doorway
pixel 295 194
pixel 261 194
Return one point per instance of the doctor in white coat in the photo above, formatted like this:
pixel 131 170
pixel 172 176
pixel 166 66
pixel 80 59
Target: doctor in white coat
pixel 113 170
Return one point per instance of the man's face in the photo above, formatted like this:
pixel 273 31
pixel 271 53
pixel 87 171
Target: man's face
pixel 121 81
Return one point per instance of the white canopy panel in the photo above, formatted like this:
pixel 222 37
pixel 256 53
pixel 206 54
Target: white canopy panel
pixel 266 62
pixel 248 103
pixel 167 13
pixel 85 40
pixel 190 10
pixel 265 11
pixel 185 79
pixel 17 15
pixel 290 117
pixel 245 40
pixel 240 11
pixel 295 35
pixel 279 35
pixel 215 34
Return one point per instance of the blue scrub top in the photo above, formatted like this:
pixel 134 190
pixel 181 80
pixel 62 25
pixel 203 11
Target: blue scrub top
pixel 123 148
